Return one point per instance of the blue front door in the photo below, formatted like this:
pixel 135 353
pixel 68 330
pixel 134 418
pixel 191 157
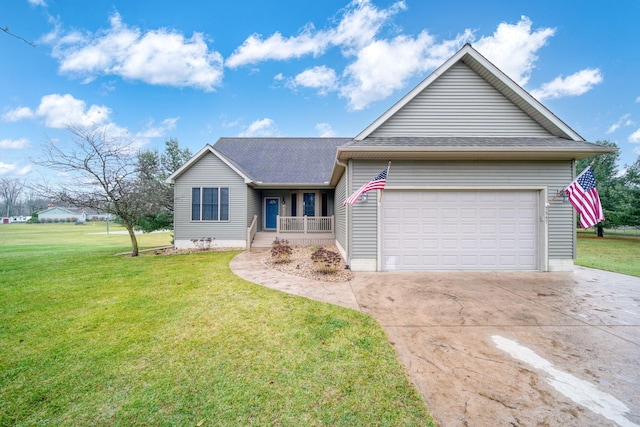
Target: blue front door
pixel 309 201
pixel 272 208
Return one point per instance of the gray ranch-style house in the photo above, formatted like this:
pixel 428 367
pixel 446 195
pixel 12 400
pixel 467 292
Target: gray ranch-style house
pixel 476 162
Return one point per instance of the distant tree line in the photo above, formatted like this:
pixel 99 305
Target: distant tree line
pixel 619 190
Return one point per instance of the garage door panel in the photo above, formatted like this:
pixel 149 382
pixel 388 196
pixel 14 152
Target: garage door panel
pixel 410 228
pixel 460 230
pixel 488 244
pixel 448 228
pixel 392 213
pixel 469 260
pixel 469 244
pixel 430 243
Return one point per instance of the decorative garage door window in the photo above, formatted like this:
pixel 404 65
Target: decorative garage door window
pixel 210 204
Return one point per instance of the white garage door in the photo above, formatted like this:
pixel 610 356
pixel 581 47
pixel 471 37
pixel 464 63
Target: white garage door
pixel 459 230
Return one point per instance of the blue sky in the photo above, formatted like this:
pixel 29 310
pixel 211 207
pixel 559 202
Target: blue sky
pixel 196 71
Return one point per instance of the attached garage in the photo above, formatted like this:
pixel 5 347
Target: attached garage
pixel 471 230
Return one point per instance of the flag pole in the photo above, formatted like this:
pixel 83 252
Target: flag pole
pixel 559 193
pixel 380 198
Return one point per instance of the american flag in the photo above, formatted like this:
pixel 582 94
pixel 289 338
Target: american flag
pixel 583 195
pixel 376 183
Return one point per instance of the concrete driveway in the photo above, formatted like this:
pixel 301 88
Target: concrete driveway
pixel 500 348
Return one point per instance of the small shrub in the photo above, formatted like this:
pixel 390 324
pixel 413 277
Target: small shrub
pixel 281 251
pixel 326 261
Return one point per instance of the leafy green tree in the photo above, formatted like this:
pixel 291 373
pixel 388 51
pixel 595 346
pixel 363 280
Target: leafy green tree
pixel 631 204
pixel 153 168
pixel 610 186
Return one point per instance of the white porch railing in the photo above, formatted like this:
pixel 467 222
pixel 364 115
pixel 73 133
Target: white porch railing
pixel 252 230
pixel 305 224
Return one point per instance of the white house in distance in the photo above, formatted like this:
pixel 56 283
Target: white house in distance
pixel 57 214
pixel 476 163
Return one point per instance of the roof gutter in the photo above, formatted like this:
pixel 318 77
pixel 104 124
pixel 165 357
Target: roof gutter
pixel 470 153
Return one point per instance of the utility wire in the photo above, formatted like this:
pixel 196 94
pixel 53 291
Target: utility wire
pixel 6 30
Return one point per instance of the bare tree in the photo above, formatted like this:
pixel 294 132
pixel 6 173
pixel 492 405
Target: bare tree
pixel 10 190
pixel 105 171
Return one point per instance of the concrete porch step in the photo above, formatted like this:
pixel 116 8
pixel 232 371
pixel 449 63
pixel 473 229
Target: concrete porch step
pixel 263 239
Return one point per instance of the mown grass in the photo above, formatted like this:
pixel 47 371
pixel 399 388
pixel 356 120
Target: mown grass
pixel 89 338
pixel 617 253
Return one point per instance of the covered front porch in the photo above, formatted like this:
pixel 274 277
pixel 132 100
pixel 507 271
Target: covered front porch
pixel 300 216
pixel 298 231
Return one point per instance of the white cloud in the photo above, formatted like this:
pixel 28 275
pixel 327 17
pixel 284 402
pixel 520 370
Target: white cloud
pixel 261 128
pixel 622 121
pixel 13 169
pixel 512 48
pixel 325 130
pixel 18 114
pixel 158 57
pixel 160 130
pixel 322 78
pixel 385 65
pixel 256 49
pixel 635 137
pixel 6 168
pixel 378 66
pixel 61 111
pixel 24 170
pixel 37 3
pixel 360 23
pixel 574 85
pixel 14 144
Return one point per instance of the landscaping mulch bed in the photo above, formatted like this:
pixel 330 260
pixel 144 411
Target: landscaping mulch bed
pixel 300 264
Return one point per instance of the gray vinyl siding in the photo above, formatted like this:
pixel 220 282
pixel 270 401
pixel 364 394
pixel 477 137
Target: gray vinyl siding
pixel 460 103
pixel 554 175
pixel 364 222
pixel 253 206
pixel 210 171
pixel 341 212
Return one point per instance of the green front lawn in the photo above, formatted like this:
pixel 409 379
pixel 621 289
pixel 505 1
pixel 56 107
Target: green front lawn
pixel 617 253
pixel 89 338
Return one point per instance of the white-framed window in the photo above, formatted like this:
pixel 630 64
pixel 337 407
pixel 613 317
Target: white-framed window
pixel 209 204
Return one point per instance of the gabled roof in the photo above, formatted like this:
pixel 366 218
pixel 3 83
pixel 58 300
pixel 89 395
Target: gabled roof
pixel 62 211
pixel 207 149
pixel 274 162
pixel 282 161
pixel 393 135
pixel 495 77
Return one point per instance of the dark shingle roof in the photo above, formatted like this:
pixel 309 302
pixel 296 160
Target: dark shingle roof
pixel 282 160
